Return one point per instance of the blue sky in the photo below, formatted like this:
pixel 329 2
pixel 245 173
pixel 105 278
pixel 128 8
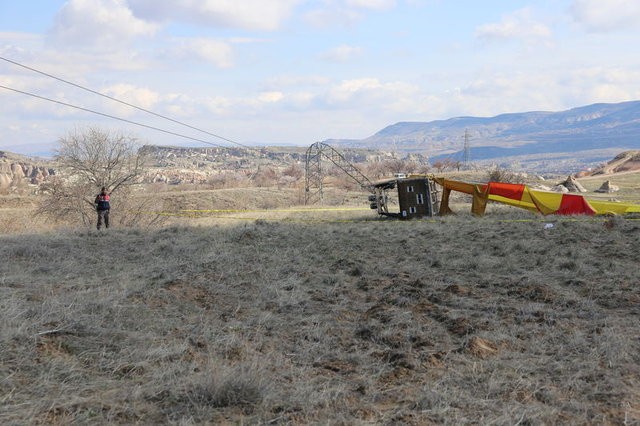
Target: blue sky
pixel 301 71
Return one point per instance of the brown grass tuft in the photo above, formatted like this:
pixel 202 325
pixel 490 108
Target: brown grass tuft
pixel 481 348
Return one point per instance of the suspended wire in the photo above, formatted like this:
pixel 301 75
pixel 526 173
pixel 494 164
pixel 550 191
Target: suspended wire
pixel 125 103
pixel 111 116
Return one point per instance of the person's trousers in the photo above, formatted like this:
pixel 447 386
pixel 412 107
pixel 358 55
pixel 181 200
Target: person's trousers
pixel 103 215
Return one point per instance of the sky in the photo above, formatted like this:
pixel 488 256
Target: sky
pixel 294 72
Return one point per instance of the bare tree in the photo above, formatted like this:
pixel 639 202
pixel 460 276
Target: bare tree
pixel 265 176
pixel 440 165
pixel 89 160
pixel 294 171
pixel 99 157
pixel 67 201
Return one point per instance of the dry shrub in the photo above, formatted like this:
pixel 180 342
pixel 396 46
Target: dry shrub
pixel 499 174
pixel 294 171
pixel 228 180
pixel 265 177
pixel 66 202
pixel 482 348
pixel 10 225
pixel 133 211
pixel 240 386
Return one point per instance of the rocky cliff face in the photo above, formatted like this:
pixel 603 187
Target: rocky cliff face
pixel 624 162
pixel 17 171
pixel 204 157
pixel 197 165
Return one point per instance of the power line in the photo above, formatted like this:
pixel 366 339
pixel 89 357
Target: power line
pixel 467 149
pixel 123 102
pixel 111 116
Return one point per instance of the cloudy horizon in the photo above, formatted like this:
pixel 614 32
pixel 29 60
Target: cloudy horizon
pixel 300 71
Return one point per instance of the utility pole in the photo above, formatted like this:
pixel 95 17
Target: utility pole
pixel 467 150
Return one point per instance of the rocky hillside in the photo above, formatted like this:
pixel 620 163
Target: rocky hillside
pixel 586 135
pixel 627 161
pixel 178 165
pixel 187 165
pixel 18 171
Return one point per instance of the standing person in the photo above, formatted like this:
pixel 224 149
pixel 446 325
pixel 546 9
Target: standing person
pixel 102 207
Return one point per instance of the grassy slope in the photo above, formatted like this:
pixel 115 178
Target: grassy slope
pixel 628 182
pixel 454 321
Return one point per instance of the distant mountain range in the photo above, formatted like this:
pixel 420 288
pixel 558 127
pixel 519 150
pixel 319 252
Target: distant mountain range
pixel 574 138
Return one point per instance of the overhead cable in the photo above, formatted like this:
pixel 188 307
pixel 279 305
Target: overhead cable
pixel 123 102
pixel 112 116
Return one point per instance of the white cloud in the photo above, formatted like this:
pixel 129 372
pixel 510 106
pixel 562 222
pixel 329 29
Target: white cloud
pixel 265 15
pixel 600 84
pixel 108 23
pixel 77 65
pixel 139 96
pixel 270 97
pixel 301 100
pixel 493 93
pixel 361 97
pixel 518 25
pixel 298 81
pixel 498 92
pixel 604 16
pixel 216 52
pixel 325 18
pixel 342 53
pixel 17 45
pixel 181 51
pixel 218 105
pixel 350 89
pixel 371 4
pixel 365 92
pixel 345 12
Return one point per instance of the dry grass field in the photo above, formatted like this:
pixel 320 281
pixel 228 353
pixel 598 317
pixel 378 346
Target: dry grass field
pixel 299 317
pixel 629 184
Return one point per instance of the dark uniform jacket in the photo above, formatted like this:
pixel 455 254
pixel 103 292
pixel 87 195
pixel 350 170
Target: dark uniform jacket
pixel 102 202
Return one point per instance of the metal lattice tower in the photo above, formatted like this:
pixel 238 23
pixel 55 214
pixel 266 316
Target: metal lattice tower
pixel 467 150
pixel 314 172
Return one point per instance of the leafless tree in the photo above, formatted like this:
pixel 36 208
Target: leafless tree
pixel 100 157
pixel 89 160
pixel 294 171
pixel 440 165
pixel 265 176
pixel 67 201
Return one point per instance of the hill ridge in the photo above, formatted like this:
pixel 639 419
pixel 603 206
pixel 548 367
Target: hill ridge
pixel 594 133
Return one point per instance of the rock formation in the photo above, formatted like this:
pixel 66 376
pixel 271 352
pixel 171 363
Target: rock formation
pixel 623 162
pixel 17 171
pixel 571 185
pixel 607 188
